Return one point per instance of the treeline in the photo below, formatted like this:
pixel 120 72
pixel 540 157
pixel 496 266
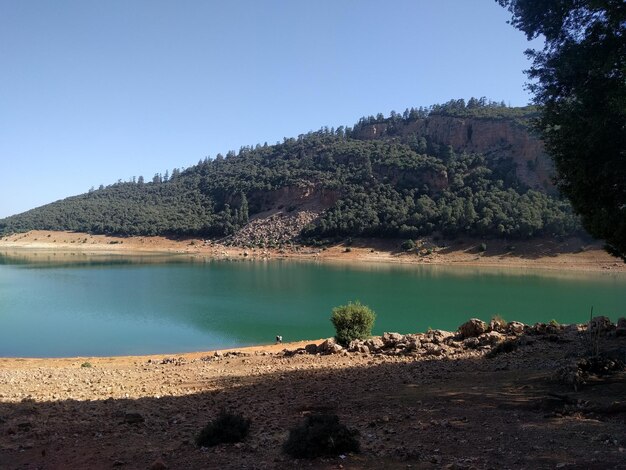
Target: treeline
pixel 397 187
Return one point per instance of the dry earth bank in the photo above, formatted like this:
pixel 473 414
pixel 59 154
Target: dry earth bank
pixel 431 400
pixel 569 255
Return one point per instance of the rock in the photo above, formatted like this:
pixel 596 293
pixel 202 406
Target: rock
pixel 413 344
pixel 491 339
pixel 133 418
pixel 329 346
pixel 472 328
pixel 621 327
pixel 391 339
pixel 432 349
pixel 375 344
pixel 514 328
pixel 471 343
pixel 311 348
pixel 498 325
pixel 600 324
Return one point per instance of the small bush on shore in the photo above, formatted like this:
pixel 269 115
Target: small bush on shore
pixel 321 436
pixel 352 321
pixel 227 427
pixel 408 245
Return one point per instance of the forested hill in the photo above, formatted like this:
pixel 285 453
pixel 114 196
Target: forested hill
pixel 459 168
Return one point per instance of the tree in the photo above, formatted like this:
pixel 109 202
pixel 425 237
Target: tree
pixel 352 321
pixel 579 79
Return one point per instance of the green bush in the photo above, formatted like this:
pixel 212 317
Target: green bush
pixel 408 245
pixel 482 247
pixel 352 321
pixel 227 427
pixel 321 436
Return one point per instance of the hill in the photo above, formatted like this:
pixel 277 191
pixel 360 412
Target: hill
pixel 454 169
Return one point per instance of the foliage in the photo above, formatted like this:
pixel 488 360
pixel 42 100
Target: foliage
pixel 408 245
pixel 352 321
pixel 401 186
pixel 579 79
pixel 226 428
pixel 321 436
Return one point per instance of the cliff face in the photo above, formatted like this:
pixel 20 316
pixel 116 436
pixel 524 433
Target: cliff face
pixel 495 138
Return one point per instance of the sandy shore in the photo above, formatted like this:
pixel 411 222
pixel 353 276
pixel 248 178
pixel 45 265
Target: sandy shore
pixel 570 255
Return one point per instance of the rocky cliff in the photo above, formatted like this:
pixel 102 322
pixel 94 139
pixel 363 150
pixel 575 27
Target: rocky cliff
pixel 495 138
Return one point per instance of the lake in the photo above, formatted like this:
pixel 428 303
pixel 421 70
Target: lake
pixel 58 305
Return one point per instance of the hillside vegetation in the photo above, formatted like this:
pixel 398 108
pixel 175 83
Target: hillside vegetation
pixel 399 180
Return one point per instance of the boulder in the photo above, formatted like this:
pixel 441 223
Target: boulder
pixel 472 328
pixel 621 327
pixel 391 339
pixel 311 348
pixel 471 343
pixel 374 344
pixel 491 339
pixel 329 346
pixel 432 349
pixel 515 328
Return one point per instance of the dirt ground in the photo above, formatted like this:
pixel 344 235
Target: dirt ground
pixel 410 411
pixel 572 254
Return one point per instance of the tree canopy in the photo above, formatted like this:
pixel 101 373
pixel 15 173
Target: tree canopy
pixel 403 184
pixel 579 80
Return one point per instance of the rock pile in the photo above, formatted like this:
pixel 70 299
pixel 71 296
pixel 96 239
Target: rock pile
pixel 472 336
pixel 273 231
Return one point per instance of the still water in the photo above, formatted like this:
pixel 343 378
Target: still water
pixel 73 304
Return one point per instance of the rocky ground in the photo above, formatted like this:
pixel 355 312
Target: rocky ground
pixel 487 396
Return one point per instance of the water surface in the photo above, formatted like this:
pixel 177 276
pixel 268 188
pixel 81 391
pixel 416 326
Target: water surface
pixel 73 304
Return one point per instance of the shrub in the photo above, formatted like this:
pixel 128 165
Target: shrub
pixel 321 436
pixel 482 247
pixel 227 427
pixel 408 245
pixel 352 321
pixel 86 364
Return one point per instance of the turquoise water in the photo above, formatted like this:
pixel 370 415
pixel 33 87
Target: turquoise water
pixel 78 305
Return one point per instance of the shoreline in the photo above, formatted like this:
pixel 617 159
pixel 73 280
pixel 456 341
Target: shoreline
pixel 570 255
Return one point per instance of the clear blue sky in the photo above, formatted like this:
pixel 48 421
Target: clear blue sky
pixel 95 91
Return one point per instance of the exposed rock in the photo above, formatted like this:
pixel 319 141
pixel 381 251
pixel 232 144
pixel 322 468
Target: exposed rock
pixel 621 327
pixel 432 349
pixel 329 346
pixel 472 328
pixel 311 348
pixel 471 343
pixel 515 328
pixel 491 338
pixel 391 339
pixel 375 344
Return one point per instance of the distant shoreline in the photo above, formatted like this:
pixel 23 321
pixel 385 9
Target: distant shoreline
pixel 570 255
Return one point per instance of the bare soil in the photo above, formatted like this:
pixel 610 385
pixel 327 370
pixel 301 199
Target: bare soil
pixel 423 412
pixel 572 254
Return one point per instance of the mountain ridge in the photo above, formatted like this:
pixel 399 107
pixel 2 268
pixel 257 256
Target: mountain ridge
pixel 400 176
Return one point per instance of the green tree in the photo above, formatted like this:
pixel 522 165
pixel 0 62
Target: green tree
pixel 579 79
pixel 352 321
